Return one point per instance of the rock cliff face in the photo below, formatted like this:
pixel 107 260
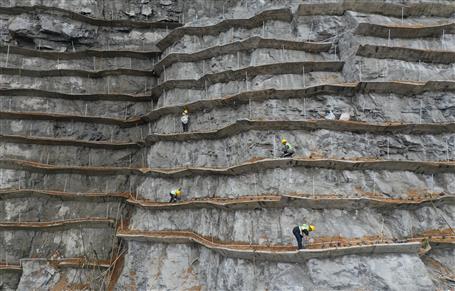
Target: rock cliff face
pixel 91 94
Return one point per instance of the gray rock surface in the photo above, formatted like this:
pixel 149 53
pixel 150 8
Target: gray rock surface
pixel 42 275
pixel 175 96
pixel 429 107
pixel 70 243
pixel 254 144
pixel 299 180
pixel 274 226
pixel 63 155
pixel 194 267
pixel 88 63
pixel 77 84
pixel 71 129
pixel 62 33
pixel 18 179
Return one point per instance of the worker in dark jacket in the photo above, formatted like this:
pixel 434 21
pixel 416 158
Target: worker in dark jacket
pixel 300 230
pixel 185 120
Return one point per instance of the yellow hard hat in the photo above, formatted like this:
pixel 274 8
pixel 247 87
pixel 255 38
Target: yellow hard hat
pixel 284 141
pixel 185 111
pixel 178 192
pixel 312 227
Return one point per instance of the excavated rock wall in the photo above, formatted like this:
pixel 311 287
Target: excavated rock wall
pixel 272 226
pixel 426 107
pixel 91 144
pixel 321 181
pixel 229 151
pixel 224 144
pixel 70 83
pixel 230 274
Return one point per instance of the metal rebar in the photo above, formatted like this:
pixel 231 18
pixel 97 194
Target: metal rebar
pixel 303 76
pixel 374 184
pixel 310 31
pixel 432 183
pixel 66 182
pixel 419 71
pixel 274 146
pixel 388 148
pixel 313 185
pixel 443 38
pixel 420 112
pixel 402 15
pixel 249 108
pixel 388 39
pixel 7 56
pixel 360 71
pixel 163 98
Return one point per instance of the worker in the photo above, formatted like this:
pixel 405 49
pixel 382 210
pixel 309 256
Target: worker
pixel 345 116
pixel 330 115
pixel 185 120
pixel 288 149
pixel 175 195
pixel 301 230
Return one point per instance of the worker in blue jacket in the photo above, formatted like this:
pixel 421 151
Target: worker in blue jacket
pixel 300 230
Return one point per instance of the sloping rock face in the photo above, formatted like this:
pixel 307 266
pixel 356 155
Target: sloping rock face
pixel 91 144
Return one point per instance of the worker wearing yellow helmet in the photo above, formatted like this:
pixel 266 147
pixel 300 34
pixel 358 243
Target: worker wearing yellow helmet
pixel 300 230
pixel 288 149
pixel 185 120
pixel 176 195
